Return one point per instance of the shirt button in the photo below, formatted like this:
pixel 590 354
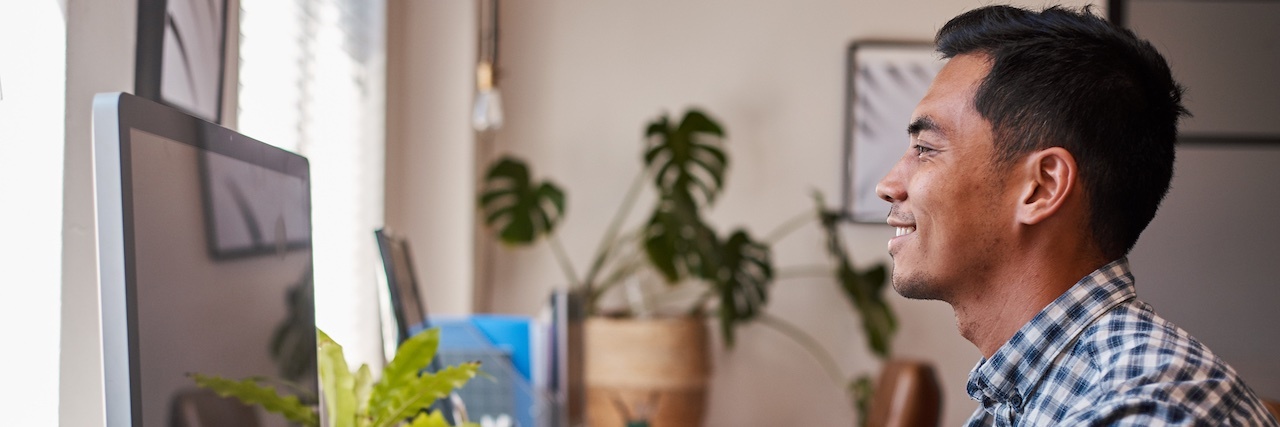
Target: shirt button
pixel 1016 401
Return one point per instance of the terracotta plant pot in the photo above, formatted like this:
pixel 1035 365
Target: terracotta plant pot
pixel 651 369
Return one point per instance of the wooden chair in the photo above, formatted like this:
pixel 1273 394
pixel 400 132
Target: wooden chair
pixel 906 395
pixel 1273 407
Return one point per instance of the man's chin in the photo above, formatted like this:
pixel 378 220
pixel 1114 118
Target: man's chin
pixel 914 287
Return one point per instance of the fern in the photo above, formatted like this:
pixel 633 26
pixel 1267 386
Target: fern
pixel 433 419
pixel 415 395
pixel 337 382
pixel 354 399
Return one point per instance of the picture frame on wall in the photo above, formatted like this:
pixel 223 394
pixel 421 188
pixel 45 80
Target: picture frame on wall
pixel 181 54
pixel 885 81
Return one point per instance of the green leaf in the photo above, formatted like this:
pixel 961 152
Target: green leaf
pixel 363 388
pixel 686 158
pixel 405 390
pixel 864 290
pixel 862 389
pixel 411 357
pixel 409 399
pixel 520 209
pixel 742 281
pixel 250 392
pixel 336 383
pixel 678 243
pixel 432 419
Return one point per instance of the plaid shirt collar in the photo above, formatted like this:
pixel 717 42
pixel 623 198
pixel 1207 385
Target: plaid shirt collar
pixel 1018 367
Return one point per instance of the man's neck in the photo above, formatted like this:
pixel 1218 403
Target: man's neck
pixel 1011 297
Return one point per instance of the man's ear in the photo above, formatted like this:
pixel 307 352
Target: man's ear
pixel 1050 178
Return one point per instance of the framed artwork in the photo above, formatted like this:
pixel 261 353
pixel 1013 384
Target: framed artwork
pixel 885 81
pixel 1225 54
pixel 180 58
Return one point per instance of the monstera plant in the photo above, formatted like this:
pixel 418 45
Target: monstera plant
pixel 684 165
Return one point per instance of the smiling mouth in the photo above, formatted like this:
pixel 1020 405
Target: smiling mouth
pixel 903 231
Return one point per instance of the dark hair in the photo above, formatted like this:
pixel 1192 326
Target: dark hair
pixel 1066 78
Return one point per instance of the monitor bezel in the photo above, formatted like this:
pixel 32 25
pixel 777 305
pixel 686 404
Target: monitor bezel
pixel 115 116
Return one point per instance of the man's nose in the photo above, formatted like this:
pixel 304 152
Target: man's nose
pixel 891 188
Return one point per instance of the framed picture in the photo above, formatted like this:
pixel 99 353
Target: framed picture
pixel 180 58
pixel 1226 56
pixel 885 81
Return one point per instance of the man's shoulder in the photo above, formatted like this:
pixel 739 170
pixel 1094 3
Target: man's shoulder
pixel 1135 357
pixel 1130 341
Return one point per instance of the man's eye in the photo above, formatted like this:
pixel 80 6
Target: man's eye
pixel 921 150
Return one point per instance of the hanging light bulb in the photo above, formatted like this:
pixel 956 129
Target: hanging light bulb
pixel 486 114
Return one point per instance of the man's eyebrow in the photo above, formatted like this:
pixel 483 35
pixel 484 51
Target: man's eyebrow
pixel 921 124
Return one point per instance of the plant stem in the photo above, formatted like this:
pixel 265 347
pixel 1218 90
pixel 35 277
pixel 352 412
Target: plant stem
pixel 562 257
pixel 790 226
pixel 807 341
pixel 624 268
pixel 699 304
pixel 611 233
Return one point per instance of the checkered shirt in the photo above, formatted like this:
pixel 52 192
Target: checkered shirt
pixel 1099 356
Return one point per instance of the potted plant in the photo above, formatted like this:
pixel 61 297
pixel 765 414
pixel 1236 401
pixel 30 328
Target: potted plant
pixel 684 165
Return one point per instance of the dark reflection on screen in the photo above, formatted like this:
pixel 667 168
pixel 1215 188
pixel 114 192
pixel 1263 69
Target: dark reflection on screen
pixel 199 310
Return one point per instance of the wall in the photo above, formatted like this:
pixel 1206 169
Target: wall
pixel 430 147
pixel 580 79
pixel 1208 260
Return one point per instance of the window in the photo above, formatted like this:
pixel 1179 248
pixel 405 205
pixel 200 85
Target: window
pixel 32 86
pixel 311 81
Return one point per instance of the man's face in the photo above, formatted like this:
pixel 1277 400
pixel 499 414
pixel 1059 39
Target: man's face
pixel 950 206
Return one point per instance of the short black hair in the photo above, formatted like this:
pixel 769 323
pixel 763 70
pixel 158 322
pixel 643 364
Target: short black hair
pixel 1068 78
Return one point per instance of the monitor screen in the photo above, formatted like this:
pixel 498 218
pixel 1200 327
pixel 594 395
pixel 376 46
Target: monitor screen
pixel 205 265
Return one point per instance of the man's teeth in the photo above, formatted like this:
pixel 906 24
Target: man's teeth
pixel 902 231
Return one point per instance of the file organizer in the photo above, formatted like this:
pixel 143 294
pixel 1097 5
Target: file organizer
pixel 502 345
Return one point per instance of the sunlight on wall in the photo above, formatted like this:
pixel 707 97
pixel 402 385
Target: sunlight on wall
pixel 32 82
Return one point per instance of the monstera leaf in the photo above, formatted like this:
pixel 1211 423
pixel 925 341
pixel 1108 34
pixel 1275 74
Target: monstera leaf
pixel 678 243
pixel 864 290
pixel 688 171
pixel 519 208
pixel 686 157
pixel 742 281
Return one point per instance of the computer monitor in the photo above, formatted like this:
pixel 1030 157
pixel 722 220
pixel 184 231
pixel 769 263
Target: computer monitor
pixel 205 264
pixel 409 311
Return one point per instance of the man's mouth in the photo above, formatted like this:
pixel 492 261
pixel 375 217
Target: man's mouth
pixel 903 231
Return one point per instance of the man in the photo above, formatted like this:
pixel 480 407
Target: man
pixel 1037 157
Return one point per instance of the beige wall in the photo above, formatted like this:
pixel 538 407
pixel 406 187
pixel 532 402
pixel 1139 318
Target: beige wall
pixel 581 78
pixel 430 148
